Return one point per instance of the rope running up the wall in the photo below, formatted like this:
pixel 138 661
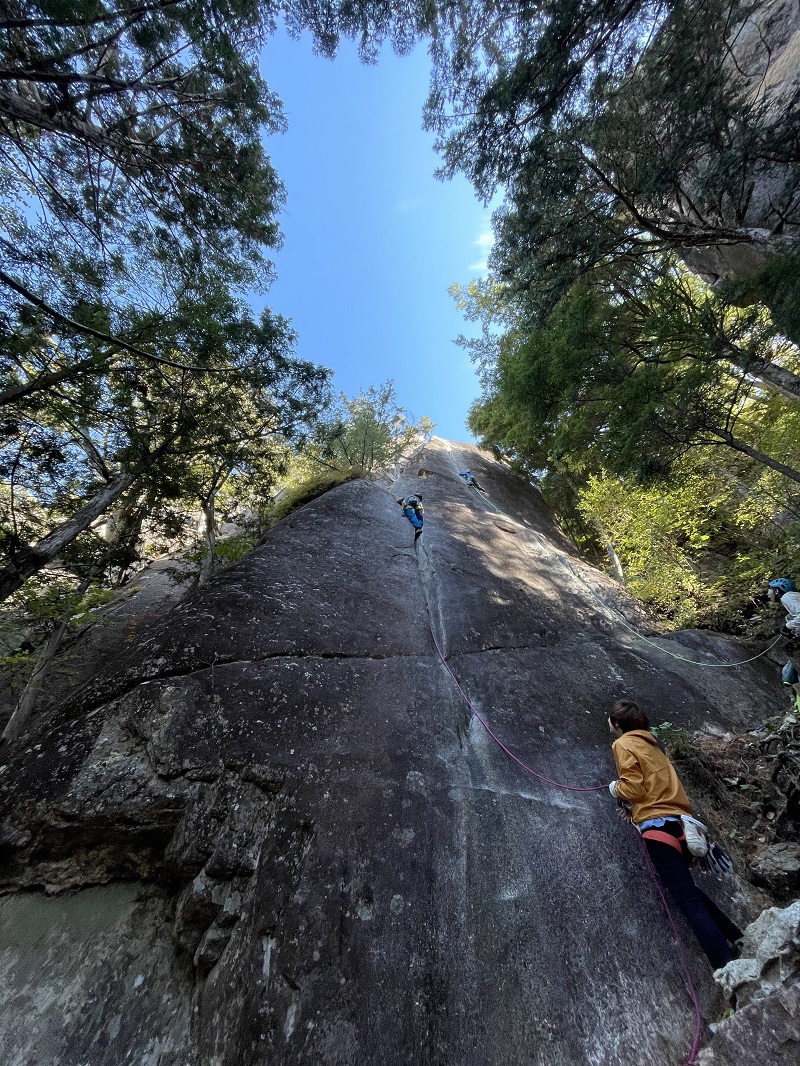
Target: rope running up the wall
pixel 619 616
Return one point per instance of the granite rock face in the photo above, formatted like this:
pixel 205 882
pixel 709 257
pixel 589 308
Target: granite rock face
pixel 275 832
pixel 778 867
pixel 764 60
pixel 764 985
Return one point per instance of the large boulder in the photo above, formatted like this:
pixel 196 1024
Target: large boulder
pixel 276 831
pixel 764 985
pixel 778 867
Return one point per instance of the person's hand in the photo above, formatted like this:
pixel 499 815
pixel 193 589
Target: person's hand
pixel 624 811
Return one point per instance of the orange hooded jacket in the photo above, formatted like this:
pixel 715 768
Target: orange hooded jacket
pixel 647 778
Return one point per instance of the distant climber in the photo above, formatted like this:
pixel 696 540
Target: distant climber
pixel 412 509
pixel 469 477
pixel 782 590
pixel 659 808
pixel 791 680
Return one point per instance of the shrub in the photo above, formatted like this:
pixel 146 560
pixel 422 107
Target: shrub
pixel 297 495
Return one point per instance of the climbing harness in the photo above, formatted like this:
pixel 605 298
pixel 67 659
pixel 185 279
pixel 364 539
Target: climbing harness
pixel 664 838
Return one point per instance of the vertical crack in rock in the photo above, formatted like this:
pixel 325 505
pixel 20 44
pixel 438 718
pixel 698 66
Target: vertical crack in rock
pixel 270 835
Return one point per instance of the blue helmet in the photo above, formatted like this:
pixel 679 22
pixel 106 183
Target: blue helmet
pixel 785 584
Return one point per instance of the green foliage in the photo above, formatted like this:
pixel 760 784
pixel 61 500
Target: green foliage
pixel 94 597
pixel 41 605
pixel 139 209
pixel 777 285
pixel 674 739
pixel 172 434
pixel 46 598
pixel 296 495
pixel 662 532
pixel 665 423
pixel 367 433
pixel 688 545
pixel 234 548
pixel 135 145
pixel 613 130
pixel 228 551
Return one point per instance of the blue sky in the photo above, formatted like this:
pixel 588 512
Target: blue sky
pixel 372 239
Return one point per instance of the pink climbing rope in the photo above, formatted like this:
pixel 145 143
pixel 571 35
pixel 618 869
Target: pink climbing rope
pixel 595 788
pixel 496 739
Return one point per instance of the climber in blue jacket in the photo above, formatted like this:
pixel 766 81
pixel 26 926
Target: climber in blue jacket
pixel 469 477
pixel 412 509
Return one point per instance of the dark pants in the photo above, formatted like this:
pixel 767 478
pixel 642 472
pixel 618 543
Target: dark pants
pixel 712 927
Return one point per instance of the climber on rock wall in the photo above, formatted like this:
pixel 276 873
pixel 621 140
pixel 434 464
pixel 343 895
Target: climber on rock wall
pixel 655 801
pixel 782 590
pixel 412 509
pixel 470 480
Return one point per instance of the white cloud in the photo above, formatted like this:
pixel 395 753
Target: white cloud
pixel 484 244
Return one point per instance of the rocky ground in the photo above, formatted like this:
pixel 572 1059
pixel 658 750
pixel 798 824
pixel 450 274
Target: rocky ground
pixel 749 789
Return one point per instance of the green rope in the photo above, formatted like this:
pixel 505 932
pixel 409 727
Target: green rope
pixel 613 610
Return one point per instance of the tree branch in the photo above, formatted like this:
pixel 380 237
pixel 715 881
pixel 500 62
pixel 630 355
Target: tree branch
pixel 107 338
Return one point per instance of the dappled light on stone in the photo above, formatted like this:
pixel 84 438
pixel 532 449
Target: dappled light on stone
pixel 283 811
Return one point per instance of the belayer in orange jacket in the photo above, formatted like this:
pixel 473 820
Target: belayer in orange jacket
pixel 650 788
pixel 647 779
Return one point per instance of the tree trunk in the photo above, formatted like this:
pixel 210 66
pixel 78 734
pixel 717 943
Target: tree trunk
pixel 739 446
pixel 613 558
pixel 27 701
pixel 122 532
pixel 30 560
pixel 208 560
pixel 597 526
pixel 773 375
pixel 780 379
pixel 45 380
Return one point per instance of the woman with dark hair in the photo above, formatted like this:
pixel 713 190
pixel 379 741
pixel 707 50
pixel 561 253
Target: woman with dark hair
pixel 650 789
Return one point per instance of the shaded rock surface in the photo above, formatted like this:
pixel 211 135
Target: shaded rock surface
pixel 778 867
pixel 142 601
pixel 287 821
pixel 764 60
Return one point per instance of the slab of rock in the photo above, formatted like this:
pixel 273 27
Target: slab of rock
pixel 329 859
pixel 778 867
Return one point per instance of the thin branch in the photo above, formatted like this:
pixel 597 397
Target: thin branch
pixel 88 331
